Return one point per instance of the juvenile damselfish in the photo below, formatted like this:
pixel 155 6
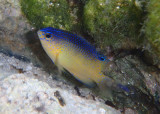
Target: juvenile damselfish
pixel 76 55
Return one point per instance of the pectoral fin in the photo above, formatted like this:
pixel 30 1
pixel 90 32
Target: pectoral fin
pixel 60 68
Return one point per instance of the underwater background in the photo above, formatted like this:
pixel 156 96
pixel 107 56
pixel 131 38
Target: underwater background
pixel 126 31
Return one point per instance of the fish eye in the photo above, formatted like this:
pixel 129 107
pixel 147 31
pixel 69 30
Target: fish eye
pixel 48 35
pixel 101 57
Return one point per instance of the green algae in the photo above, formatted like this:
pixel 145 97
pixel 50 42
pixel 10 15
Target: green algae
pixel 152 26
pixel 44 13
pixel 113 22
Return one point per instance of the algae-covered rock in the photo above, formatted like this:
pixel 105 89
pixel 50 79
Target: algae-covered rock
pixel 112 22
pixel 152 26
pixel 44 13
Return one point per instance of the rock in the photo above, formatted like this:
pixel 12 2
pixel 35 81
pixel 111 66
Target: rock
pixel 141 81
pixel 24 94
pixel 130 111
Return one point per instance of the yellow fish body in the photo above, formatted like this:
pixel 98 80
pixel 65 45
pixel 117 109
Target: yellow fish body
pixel 75 54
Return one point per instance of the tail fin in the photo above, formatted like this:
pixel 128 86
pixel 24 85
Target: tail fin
pixel 107 85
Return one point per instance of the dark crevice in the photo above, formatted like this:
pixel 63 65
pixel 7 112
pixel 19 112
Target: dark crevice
pixel 121 53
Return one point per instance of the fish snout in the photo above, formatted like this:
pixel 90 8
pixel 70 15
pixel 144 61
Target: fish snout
pixel 40 34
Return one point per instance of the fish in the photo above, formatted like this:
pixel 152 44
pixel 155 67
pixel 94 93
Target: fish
pixel 76 55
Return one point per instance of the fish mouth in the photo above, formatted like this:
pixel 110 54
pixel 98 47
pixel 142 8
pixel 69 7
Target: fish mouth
pixel 40 33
